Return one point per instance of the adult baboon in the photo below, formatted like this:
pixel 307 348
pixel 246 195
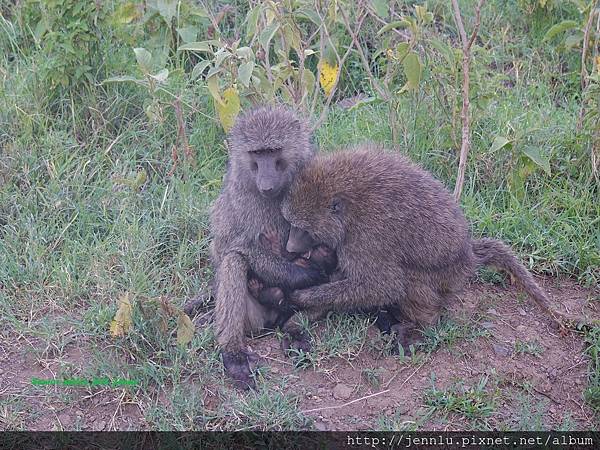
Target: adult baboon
pixel 401 239
pixel 267 147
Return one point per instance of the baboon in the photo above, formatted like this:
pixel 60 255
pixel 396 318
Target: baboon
pixel 267 147
pixel 319 257
pixel 401 240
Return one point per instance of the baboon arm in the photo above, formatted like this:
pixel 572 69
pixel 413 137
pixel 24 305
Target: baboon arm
pixel 342 295
pixel 277 271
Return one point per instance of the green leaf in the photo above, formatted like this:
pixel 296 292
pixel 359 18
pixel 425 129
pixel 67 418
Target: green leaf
pixel 245 72
pixel 500 142
pixel 166 8
pixel 267 34
pixel 381 8
pixel 220 56
pixel 402 49
pixel 308 14
pixel 200 68
pixel 203 46
pixel 252 22
pixel 121 79
pixel 412 70
pixel 573 40
pixel 144 59
pixel 212 83
pixel 308 80
pixel 396 24
pixel 185 329
pixel 559 28
pixel 126 13
pixel 161 76
pixel 534 154
pixel 187 34
pixel 246 53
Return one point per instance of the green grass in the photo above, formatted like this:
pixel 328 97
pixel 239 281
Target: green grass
pixel 74 236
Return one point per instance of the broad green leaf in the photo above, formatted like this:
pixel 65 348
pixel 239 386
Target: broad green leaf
pixel 500 142
pixel 267 34
pixel 246 53
pixel 203 46
pixel 402 49
pixel 127 13
pixel 229 108
pixel 185 329
pixel 309 14
pixel 220 56
pixel 212 83
pixel 538 158
pixel 200 68
pixel 412 69
pixel 121 323
pixel 381 8
pixel 245 72
pixel 121 79
pixel 252 22
pixel 365 101
pixel 161 76
pixel 166 8
pixel 188 34
pixel 559 28
pixel 144 59
pixel 308 80
pixel 396 24
pixel 573 40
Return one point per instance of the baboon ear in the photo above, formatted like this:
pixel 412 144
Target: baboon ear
pixel 337 205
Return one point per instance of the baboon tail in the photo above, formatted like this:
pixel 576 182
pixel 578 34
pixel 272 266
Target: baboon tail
pixel 492 252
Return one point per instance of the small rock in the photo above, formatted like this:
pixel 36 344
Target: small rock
pixel 275 369
pixel 342 391
pixel 492 311
pixel 501 350
pixel 521 328
pixel 487 325
pixel 522 312
pixel 99 425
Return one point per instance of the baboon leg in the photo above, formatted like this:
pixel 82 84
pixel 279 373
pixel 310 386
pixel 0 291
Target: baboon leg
pixel 422 305
pixel 295 338
pixel 236 313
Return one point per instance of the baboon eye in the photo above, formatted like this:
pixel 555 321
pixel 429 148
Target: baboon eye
pixel 280 164
pixel 254 166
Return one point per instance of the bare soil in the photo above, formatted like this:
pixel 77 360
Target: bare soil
pixel 337 395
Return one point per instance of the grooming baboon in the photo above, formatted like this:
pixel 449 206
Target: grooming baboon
pixel 402 242
pixel 267 147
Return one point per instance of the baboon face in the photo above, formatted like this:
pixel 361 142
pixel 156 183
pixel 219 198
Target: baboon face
pixel 316 214
pixel 270 171
pixel 268 146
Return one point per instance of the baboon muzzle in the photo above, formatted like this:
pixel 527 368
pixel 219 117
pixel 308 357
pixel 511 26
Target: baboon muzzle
pixel 299 241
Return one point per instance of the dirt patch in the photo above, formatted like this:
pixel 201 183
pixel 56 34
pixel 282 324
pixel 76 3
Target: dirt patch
pixel 522 356
pixel 522 361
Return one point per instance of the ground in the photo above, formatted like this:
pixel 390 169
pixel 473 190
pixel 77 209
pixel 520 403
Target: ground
pixel 495 362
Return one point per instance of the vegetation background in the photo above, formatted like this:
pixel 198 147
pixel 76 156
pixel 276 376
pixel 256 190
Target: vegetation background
pixel 112 147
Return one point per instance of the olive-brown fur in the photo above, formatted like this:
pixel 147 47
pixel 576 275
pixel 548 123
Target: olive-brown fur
pixel 402 241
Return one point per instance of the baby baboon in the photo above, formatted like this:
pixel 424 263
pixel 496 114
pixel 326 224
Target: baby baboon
pixel 402 242
pixel 319 257
pixel 267 147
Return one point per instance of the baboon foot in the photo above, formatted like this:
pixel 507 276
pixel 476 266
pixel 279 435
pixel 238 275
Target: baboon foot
pixel 405 334
pixel 296 343
pixel 237 367
pixel 385 321
pixel 197 304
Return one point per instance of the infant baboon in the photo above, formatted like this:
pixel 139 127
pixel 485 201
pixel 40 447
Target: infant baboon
pixel 319 257
pixel 401 240
pixel 267 147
